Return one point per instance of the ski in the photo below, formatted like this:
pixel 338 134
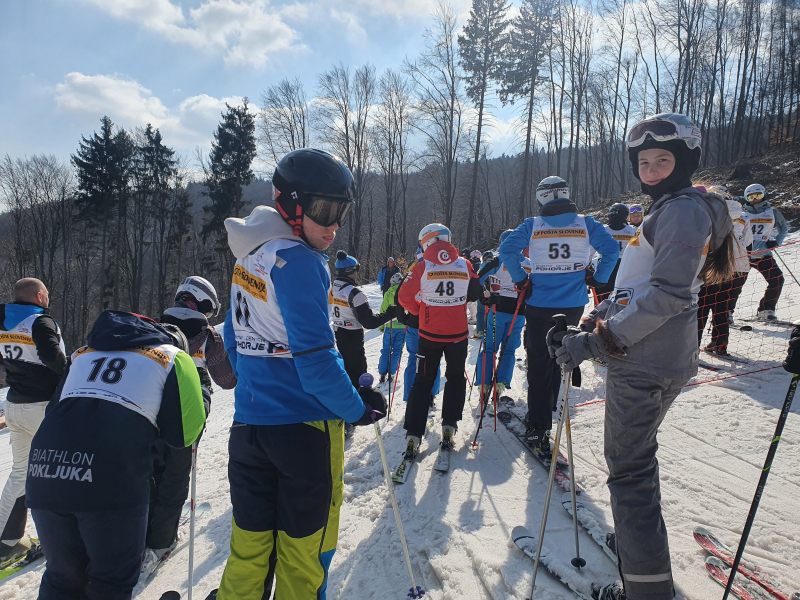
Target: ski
pixel 708 366
pixel 443 458
pixel 715 546
pixel 743 588
pixel 515 425
pixel 564 572
pixel 587 520
pixel 32 555
pixel 199 511
pixel 171 595
pixel 729 357
pixel 775 322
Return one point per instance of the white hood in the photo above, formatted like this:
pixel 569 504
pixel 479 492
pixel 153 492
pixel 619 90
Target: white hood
pixel 735 209
pixel 260 226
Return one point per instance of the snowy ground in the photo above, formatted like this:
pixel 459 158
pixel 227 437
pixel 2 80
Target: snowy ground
pixel 712 446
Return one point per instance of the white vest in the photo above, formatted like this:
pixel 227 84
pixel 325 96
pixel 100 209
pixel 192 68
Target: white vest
pixel 507 288
pixel 744 237
pixel 554 250
pixel 342 314
pixel 133 377
pixel 257 321
pixel 636 268
pixel 762 224
pixel 445 285
pixel 623 236
pixel 17 343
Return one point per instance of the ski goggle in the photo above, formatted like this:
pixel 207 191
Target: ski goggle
pixel 755 196
pixel 661 131
pixel 636 209
pixel 325 212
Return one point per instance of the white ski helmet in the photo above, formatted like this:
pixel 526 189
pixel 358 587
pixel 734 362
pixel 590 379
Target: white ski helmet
pixel 431 233
pixel 552 188
pixel 396 279
pixel 754 192
pixel 719 190
pixel 664 127
pixel 203 292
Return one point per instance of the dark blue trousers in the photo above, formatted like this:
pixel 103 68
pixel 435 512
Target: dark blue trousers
pixel 91 555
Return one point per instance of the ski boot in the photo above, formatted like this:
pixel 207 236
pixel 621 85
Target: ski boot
pixel 153 559
pixel 721 350
pixel 612 591
pixel 539 439
pixel 382 379
pixel 766 315
pixel 11 554
pixel 412 447
pixel 448 433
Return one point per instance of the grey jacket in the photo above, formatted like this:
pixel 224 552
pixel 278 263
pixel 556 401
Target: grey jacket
pixel 658 330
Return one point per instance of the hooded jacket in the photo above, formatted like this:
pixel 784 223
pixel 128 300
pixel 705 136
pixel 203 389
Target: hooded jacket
pixel 29 381
pixel 306 381
pixel 124 390
pixel 561 290
pixel 439 323
pixel 779 231
pixel 658 329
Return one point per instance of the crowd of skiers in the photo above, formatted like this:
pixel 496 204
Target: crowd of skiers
pixel 104 439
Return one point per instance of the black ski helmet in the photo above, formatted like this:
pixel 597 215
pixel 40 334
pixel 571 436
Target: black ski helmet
pixel 308 180
pixel 619 211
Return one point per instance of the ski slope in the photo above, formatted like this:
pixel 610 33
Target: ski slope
pixel 458 525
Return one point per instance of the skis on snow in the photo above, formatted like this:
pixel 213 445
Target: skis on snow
pixel 750 572
pixel 29 556
pixel 587 520
pixel 443 458
pixel 199 511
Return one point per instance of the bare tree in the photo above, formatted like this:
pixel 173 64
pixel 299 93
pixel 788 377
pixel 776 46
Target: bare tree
pixel 283 123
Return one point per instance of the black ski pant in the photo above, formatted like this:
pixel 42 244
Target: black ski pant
pixel 350 343
pixel 771 272
pixel 544 375
pixel 719 300
pixel 93 555
pixel 169 488
pixel 604 290
pixel 429 355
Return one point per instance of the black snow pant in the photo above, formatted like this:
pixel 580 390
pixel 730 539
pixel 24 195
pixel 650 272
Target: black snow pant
pixel 771 272
pixel 604 290
pixel 719 300
pixel 429 355
pixel 93 555
pixel 169 488
pixel 636 404
pixel 350 343
pixel 544 375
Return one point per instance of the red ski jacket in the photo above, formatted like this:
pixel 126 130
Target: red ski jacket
pixel 441 322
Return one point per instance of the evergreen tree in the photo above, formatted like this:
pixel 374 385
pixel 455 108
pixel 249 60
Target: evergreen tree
pixel 480 47
pixel 228 172
pixel 530 33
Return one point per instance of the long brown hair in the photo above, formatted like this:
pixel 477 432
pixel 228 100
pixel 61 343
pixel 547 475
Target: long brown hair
pixel 720 263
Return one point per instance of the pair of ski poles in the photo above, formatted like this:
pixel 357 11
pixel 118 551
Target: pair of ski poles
pixel 567 378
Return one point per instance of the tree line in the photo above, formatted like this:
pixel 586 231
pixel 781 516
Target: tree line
pixel 120 224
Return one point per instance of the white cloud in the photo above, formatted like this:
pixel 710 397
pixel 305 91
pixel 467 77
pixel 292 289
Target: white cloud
pixel 130 104
pixel 243 32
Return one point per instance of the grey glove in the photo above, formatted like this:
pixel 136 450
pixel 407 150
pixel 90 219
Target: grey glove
pixel 554 338
pixel 577 348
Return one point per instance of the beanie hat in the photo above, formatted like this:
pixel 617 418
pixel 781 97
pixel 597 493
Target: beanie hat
pixel 345 264
pixel 686 163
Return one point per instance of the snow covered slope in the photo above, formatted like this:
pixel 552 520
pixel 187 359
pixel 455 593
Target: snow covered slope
pixel 458 525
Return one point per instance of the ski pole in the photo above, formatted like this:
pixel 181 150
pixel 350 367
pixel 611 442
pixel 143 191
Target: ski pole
pixel 520 300
pixel 495 364
pixel 191 520
pixel 577 562
pixel 787 266
pixel 389 366
pixel 762 482
pixel 475 373
pixel 396 375
pixel 366 380
pixel 483 369
pixel 561 325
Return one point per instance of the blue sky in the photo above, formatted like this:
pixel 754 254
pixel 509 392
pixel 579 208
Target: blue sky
pixel 174 63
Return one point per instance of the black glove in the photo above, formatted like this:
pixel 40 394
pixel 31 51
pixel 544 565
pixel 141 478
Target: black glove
pixel 375 406
pixel 554 338
pixel 487 298
pixel 592 282
pixel 772 244
pixel 401 315
pixel 391 311
pixel 524 287
pixel 792 362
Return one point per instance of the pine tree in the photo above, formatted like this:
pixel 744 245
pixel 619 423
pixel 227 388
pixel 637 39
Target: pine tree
pixel 229 172
pixel 529 36
pixel 480 48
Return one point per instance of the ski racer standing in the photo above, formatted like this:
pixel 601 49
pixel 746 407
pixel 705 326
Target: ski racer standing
pixel 685 239
pixel 623 233
pixel 411 322
pixel 559 243
pixel 352 314
pixel 286 448
pixel 505 308
pixel 769 230
pixel 33 356
pixel 195 303
pixel 392 334
pixel 720 299
pixel 385 276
pixel 445 283
pixel 91 460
